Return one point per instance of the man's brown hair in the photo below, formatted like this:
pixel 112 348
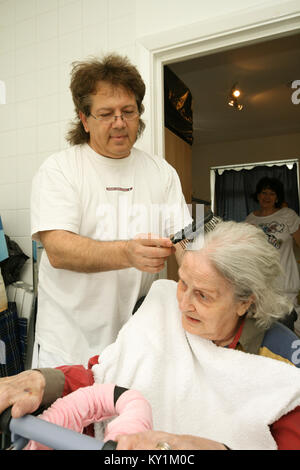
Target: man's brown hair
pixel 113 69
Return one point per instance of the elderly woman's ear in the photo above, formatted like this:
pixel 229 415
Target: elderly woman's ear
pixel 244 305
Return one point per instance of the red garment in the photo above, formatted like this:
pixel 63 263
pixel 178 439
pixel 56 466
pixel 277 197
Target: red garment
pixel 76 377
pixel 285 431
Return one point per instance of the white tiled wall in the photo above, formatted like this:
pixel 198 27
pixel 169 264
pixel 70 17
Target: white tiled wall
pixel 38 41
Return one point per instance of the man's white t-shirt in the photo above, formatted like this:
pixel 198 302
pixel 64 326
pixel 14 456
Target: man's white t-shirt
pixel 80 191
pixel 279 228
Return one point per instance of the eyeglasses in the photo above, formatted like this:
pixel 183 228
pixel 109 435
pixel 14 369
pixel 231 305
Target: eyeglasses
pixel 110 118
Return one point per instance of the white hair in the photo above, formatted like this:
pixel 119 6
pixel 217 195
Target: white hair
pixel 241 253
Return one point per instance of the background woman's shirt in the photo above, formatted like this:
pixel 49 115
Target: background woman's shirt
pixel 279 228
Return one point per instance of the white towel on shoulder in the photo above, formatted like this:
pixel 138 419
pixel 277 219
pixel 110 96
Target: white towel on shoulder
pixel 194 386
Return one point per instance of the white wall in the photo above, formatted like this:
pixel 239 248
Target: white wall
pixel 154 16
pixel 38 41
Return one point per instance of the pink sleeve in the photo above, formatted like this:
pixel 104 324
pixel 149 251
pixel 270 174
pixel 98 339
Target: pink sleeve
pixel 95 403
pixel 134 415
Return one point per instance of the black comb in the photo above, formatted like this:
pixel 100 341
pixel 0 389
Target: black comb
pixel 205 223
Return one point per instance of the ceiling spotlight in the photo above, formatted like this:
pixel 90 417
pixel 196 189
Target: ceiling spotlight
pixel 233 98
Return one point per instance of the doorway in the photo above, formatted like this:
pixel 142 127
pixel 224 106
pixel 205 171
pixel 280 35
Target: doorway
pixel 202 39
pixel 266 127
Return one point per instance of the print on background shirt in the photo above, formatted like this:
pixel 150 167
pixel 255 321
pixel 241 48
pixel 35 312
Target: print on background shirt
pixel 270 229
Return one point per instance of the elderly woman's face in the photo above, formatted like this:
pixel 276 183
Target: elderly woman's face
pixel 206 300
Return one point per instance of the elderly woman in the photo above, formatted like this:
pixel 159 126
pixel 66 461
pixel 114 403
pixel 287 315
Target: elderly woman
pixel 196 351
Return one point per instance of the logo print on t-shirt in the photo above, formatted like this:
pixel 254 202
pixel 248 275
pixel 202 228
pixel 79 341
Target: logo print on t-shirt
pixel 118 188
pixel 270 229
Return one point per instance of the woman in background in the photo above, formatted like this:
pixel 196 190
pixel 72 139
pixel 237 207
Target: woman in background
pixel 281 226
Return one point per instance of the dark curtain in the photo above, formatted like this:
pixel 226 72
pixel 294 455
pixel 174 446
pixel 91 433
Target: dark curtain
pixel 233 190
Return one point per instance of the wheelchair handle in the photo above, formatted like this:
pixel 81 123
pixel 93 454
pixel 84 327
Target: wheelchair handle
pixel 32 428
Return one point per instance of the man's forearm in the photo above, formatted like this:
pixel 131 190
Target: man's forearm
pixel 67 250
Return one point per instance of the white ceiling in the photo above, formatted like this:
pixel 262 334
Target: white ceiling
pixel 264 72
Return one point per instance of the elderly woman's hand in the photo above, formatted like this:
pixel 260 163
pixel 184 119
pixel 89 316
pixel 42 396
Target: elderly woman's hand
pixel 156 440
pixel 24 392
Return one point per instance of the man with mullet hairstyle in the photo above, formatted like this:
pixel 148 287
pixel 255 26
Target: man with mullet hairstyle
pixel 90 205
